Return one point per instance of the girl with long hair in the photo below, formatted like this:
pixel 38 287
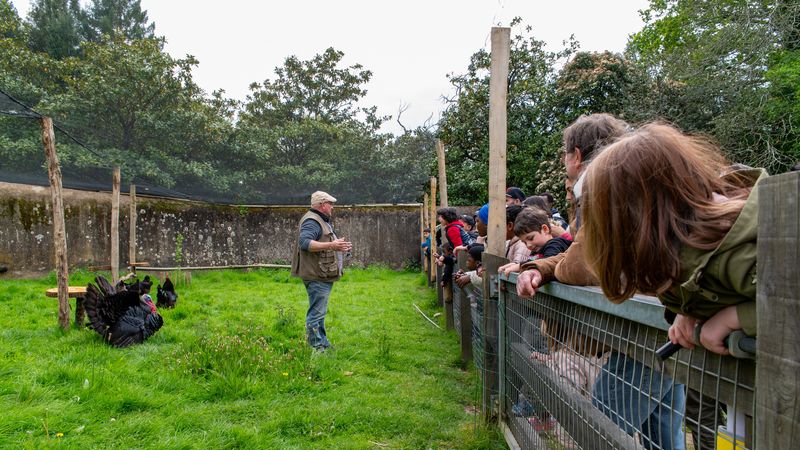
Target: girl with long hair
pixel 664 214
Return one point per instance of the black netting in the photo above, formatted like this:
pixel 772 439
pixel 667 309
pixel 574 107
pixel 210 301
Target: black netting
pixel 9 106
pixel 359 168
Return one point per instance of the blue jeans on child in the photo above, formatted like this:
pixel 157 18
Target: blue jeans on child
pixel 318 294
pixel 638 398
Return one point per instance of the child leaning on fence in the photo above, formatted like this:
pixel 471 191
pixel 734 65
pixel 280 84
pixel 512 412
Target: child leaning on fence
pixel 665 214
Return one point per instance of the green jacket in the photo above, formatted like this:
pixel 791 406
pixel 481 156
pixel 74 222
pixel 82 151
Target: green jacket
pixel 712 280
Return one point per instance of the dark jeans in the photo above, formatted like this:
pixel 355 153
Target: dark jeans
pixel 638 398
pixel 318 294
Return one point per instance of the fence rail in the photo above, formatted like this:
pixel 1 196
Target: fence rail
pixel 569 369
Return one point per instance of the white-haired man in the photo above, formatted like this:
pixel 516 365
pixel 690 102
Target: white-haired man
pixel 318 262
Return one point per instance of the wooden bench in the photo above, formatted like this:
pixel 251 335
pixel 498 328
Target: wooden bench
pixel 76 292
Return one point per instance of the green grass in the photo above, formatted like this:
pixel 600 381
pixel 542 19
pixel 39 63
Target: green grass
pixel 230 369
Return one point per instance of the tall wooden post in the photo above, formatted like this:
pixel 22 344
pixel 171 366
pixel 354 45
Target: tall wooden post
pixel 115 226
pixel 433 229
pixel 132 235
pixel 442 174
pixel 498 87
pixel 496 236
pixel 59 227
pixel 422 232
pixel 778 303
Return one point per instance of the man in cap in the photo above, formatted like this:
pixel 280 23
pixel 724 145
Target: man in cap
pixel 318 262
pixel 514 196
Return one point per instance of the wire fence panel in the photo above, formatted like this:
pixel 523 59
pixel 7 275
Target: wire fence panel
pixel 581 372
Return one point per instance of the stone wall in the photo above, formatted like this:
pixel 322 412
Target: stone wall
pixel 176 232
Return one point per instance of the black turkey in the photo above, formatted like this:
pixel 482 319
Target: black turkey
pixel 166 296
pixel 122 317
pixel 134 286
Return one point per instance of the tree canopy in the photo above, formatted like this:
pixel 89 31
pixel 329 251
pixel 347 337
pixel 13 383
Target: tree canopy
pixel 728 68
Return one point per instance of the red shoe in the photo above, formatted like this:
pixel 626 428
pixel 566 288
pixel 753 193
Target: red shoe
pixel 542 425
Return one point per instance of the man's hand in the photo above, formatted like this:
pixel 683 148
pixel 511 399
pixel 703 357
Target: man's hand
pixel 682 331
pixel 458 249
pixel 462 280
pixel 340 245
pixel 528 282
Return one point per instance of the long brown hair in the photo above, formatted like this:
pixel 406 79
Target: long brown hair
pixel 647 195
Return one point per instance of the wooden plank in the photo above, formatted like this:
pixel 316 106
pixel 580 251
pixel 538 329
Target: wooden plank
pixel 592 429
pixel 132 235
pixel 498 89
pixel 72 291
pixel 59 226
pixel 442 173
pixel 115 226
pixel 778 302
pixel 237 266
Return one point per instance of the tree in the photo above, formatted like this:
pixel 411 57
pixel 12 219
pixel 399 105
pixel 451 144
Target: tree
pixel 533 127
pixel 306 128
pixel 140 109
pixel 116 17
pixel 27 76
pixel 316 89
pixel 708 63
pixel 55 28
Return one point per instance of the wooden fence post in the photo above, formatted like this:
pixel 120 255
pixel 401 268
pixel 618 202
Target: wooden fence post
pixel 423 224
pixel 778 302
pixel 442 174
pixel 433 229
pixel 495 249
pixel 132 235
pixel 498 87
pixel 59 227
pixel 115 226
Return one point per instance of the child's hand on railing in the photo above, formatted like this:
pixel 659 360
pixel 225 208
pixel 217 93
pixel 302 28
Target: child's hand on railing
pixel 508 268
pixel 681 331
pixel 717 328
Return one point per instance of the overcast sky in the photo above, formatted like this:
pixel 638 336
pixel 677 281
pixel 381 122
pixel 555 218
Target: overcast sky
pixel 409 45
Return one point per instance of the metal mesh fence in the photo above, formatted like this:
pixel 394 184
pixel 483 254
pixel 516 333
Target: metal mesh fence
pixel 580 372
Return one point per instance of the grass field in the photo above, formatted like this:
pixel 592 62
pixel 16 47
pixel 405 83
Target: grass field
pixel 230 369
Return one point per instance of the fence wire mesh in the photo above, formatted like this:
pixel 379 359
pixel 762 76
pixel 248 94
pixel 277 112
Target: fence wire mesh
pixel 578 377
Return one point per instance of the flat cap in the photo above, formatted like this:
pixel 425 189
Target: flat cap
pixel 319 197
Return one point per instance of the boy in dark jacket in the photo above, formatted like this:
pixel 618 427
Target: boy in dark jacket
pixel 533 228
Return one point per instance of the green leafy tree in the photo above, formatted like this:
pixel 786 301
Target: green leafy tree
pixel 304 130
pixel 28 76
pixel 708 63
pixel 116 17
pixel 140 108
pixel 55 27
pixel 533 127
pixel 316 89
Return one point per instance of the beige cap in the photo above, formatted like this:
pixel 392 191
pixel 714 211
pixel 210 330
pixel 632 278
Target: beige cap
pixel 319 197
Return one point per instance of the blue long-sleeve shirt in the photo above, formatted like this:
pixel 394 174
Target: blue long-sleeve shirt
pixel 309 231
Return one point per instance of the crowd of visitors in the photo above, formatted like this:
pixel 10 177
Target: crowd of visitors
pixel 651 210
